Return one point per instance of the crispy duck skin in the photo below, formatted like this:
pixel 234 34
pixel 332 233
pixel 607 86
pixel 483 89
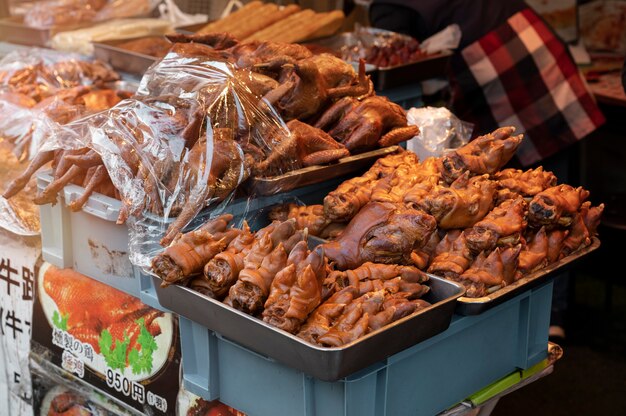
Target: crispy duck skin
pixel 310 217
pixel 452 256
pixel 189 252
pixel 465 202
pixel 320 320
pixel 502 226
pixel 534 256
pixel 528 183
pixel 92 306
pixel 485 154
pixel 555 244
pixel 556 205
pixel 380 233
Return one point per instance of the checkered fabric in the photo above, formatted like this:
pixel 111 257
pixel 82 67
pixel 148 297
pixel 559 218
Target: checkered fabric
pixel 522 75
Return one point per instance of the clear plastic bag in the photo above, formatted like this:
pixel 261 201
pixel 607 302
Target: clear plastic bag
pixel 440 130
pixel 186 141
pixel 74 13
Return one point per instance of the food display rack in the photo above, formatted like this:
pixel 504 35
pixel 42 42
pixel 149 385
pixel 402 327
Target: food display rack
pixel 424 379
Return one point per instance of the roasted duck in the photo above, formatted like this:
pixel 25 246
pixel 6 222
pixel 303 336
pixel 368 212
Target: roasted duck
pixel 556 205
pixel 485 154
pixel 91 307
pixel 373 122
pixel 380 233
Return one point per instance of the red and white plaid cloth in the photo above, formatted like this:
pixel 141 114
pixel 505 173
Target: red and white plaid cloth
pixel 522 75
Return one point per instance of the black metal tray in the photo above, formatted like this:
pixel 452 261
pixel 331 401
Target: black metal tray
pixel 318 173
pixel 432 66
pixel 476 306
pixel 328 364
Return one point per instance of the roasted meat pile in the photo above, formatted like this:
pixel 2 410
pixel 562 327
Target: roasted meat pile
pixel 272 274
pixel 470 221
pixel 341 111
pixel 59 92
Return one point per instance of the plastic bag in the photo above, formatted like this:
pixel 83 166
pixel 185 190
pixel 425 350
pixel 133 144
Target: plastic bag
pixel 189 137
pixel 39 88
pixel 74 13
pixel 440 130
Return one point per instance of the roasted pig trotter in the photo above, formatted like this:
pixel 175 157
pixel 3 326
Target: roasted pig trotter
pixel 535 255
pixel 461 205
pixel 556 205
pixel 555 244
pixel 321 319
pixel 578 234
pixel 528 183
pixel 310 217
pixel 593 217
pixel 351 325
pixel 252 288
pixel 485 154
pixel 452 256
pixel 502 226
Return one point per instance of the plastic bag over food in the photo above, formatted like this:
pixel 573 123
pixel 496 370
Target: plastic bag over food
pixel 190 136
pixel 39 88
pixel 73 13
pixel 440 130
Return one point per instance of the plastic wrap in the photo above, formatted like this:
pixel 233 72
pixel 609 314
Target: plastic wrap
pixel 440 130
pixel 381 48
pixel 68 13
pixel 189 137
pixel 39 88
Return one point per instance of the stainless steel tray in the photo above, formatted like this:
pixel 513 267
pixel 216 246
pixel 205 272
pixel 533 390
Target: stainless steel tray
pixel 328 364
pixel 13 29
pixel 123 59
pixel 475 306
pixel 413 72
pixel 318 173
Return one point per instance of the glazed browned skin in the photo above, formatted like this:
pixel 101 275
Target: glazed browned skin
pixel 556 205
pixel 465 202
pixel 296 290
pixel 343 203
pixel 526 183
pixel 452 256
pixel 485 154
pixel 534 256
pixel 188 254
pixel 381 233
pixel 306 145
pixel 373 122
pixel 502 226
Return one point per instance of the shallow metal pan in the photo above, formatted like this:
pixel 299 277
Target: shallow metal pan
pixel 13 29
pixel 475 306
pixel 328 364
pixel 123 59
pixel 318 173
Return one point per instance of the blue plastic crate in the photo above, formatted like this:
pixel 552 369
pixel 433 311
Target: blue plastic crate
pixel 423 380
